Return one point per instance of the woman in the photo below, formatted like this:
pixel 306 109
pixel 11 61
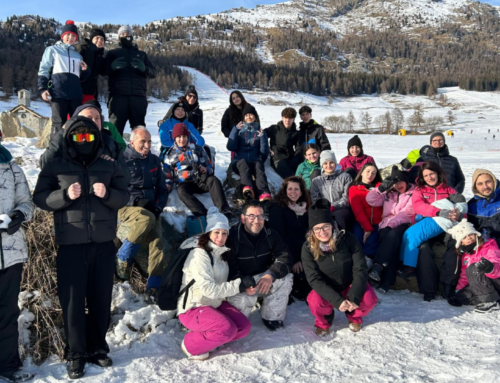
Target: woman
pixel 310 168
pixel 336 269
pixel 234 114
pixel 394 197
pixel 367 217
pixel 355 158
pixel 288 216
pixel 212 321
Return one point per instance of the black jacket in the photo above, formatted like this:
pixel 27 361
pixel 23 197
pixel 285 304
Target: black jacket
pixel 194 114
pixel 335 272
pixel 87 218
pixel 128 81
pixel 147 180
pixel 313 133
pixel 227 124
pixel 454 175
pixel 291 227
pixel 270 253
pixel 283 142
pixel 94 58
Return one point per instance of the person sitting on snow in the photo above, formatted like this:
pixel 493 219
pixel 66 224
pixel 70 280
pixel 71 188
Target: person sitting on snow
pixel 310 132
pixel 148 197
pixel 355 159
pixel 166 128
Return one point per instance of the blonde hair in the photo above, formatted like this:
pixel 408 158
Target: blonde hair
pixel 314 244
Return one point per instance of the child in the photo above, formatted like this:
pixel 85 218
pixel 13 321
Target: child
pixel 310 168
pixel 479 282
pixel 61 70
pixel 251 149
pixel 187 166
pixel 355 159
pixel 167 127
pixel 310 132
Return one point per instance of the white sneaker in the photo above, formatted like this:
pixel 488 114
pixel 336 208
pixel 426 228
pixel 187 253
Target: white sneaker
pixel 204 356
pixel 486 307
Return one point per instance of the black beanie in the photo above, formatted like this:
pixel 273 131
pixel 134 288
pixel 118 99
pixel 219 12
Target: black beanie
pixel 355 141
pixel 320 213
pixel 97 32
pixel 249 109
pixel 179 104
pixel 69 27
pixel 399 175
pixel 191 89
pixel 435 134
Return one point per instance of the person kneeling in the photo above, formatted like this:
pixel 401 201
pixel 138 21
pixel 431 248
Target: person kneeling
pixel 336 269
pixel 213 321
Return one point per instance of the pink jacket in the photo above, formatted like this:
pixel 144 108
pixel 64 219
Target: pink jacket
pixel 424 196
pixel 488 251
pixel 355 162
pixel 398 208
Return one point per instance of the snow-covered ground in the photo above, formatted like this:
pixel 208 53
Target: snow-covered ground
pixel 404 338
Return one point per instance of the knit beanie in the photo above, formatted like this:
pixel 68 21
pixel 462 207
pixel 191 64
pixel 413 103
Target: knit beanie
pixel 436 134
pixel 125 29
pixel 191 90
pixel 97 32
pixel 399 175
pixel 249 109
pixel 327 155
pixel 320 213
pixel 355 141
pixel 179 104
pixel 69 27
pixel 462 230
pixel 180 130
pixel 216 220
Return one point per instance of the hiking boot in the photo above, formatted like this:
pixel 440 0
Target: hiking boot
pixel 16 376
pixel 321 332
pixel 355 327
pixel 273 325
pixel 123 269
pixel 76 368
pixel 376 273
pixel 406 272
pixel 101 360
pixel 200 357
pixel 429 297
pixel 265 197
pixel 248 193
pixel 483 308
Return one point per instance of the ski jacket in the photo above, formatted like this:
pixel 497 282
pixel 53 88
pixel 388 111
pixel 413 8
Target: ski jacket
pixel 366 214
pixel 313 133
pixel 305 169
pixel 355 162
pixel 489 250
pixel 147 180
pixel 94 58
pixel 60 72
pixel 336 271
pixel 247 144
pixel 283 142
pixel 182 164
pixel 167 128
pixel 333 187
pixel 397 208
pixel 423 197
pixel 227 123
pixel 194 114
pixel 211 285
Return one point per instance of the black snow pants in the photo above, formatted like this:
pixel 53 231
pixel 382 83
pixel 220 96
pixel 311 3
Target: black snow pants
pixel 481 289
pixel 61 108
pixel 246 170
pixel 212 184
pixel 127 108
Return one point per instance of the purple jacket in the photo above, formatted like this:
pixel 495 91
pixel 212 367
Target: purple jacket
pixel 355 162
pixel 398 208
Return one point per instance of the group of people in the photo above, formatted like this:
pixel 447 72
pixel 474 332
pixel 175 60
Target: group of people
pixel 333 233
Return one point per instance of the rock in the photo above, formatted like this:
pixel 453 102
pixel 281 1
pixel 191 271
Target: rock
pixel 11 127
pixel 44 139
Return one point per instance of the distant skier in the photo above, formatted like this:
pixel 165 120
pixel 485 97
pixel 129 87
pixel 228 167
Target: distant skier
pixel 471 131
pixel 485 138
pixel 489 131
pixel 493 136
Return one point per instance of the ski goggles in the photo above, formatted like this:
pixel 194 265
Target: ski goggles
pixel 87 137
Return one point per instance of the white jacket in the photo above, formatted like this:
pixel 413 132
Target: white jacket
pixel 14 195
pixel 211 286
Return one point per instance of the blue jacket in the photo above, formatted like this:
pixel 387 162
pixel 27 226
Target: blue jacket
pixel 247 144
pixel 167 128
pixel 485 213
pixel 60 72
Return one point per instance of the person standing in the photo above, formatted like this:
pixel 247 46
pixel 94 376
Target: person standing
pixel 92 51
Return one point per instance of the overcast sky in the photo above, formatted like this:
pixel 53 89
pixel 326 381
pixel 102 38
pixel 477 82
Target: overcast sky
pixel 126 12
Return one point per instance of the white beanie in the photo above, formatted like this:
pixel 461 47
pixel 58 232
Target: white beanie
pixel 327 155
pixel 125 29
pixel 216 220
pixel 462 230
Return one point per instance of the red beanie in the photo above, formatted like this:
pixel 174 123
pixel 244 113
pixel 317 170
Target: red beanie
pixel 70 27
pixel 180 130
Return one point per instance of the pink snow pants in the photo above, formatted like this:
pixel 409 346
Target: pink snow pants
pixel 211 328
pixel 320 307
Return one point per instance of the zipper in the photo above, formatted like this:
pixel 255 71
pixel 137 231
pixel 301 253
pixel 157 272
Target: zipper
pixel 371 218
pixel 69 61
pixel 2 260
pixel 88 202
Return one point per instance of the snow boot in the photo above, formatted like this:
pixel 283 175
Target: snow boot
pixel 265 197
pixel 321 332
pixel 76 368
pixel 406 272
pixel 429 297
pixel 101 360
pixel 355 327
pixel 376 273
pixel 200 357
pixel 124 257
pixel 449 295
pixel 273 325
pixel 485 307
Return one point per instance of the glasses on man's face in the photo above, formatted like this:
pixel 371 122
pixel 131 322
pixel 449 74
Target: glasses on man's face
pixel 324 228
pixel 438 141
pixel 253 217
pixel 192 96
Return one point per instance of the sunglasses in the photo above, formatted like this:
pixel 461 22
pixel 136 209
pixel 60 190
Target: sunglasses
pixel 87 137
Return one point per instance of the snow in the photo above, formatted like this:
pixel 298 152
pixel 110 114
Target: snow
pixel 403 339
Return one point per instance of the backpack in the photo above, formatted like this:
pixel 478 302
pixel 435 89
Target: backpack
pixel 196 225
pixel 171 281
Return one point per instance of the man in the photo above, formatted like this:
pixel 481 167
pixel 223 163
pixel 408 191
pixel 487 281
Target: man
pixel 148 197
pixel 128 69
pixel 284 143
pixel 261 253
pixel 92 51
pixel 484 207
pixel 85 192
pixel 310 131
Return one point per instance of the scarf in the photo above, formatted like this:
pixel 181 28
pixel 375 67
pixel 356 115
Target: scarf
pixel 325 246
pixel 298 208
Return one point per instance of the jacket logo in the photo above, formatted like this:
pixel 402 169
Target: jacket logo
pixel 425 196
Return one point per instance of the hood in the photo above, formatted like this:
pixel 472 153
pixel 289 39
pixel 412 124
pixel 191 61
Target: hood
pixel 476 175
pixel 5 156
pixel 70 126
pixel 131 153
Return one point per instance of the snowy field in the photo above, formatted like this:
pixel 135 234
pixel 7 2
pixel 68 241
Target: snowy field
pixel 403 339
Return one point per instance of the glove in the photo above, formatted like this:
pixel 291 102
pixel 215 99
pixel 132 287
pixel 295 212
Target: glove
pixel 119 63
pixel 445 213
pixel 157 212
pixel 483 266
pixel 386 184
pixel 246 282
pixel 17 219
pixel 139 65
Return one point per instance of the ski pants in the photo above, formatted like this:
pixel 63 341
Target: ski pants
pixel 286 167
pixel 481 289
pixel 417 234
pixel 127 108
pixel 248 169
pixel 372 243
pixel 185 191
pixel 61 109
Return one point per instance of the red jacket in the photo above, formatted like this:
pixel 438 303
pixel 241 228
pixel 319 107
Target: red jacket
pixel 424 196
pixel 366 215
pixel 355 162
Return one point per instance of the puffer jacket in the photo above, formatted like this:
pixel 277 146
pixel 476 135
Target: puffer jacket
pixel 366 214
pixel 60 72
pixel 313 133
pixel 305 169
pixel 355 162
pixel 14 195
pixel 397 208
pixel 94 58
pixel 450 165
pixel 283 142
pixel 194 114
pixel 182 164
pixel 423 197
pixel 211 286
pixel 87 218
pixel 247 144
pixel 489 250
pixel 167 128
pixel 333 187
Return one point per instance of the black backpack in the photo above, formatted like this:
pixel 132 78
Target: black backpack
pixel 171 281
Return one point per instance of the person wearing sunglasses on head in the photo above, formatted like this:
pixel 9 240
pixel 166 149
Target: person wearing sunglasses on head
pixel 261 253
pixel 85 192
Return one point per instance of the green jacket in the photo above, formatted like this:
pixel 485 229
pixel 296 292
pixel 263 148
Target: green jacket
pixel 115 135
pixel 305 169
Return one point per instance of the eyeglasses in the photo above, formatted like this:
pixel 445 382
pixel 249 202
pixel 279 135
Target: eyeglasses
pixel 437 141
pixel 253 217
pixel 192 96
pixel 87 137
pixel 326 228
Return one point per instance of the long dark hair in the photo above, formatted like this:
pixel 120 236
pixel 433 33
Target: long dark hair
pixel 235 114
pixel 359 177
pixel 203 243
pixel 282 199
pixel 432 166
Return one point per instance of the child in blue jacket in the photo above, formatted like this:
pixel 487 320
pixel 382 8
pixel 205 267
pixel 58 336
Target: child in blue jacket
pixel 167 128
